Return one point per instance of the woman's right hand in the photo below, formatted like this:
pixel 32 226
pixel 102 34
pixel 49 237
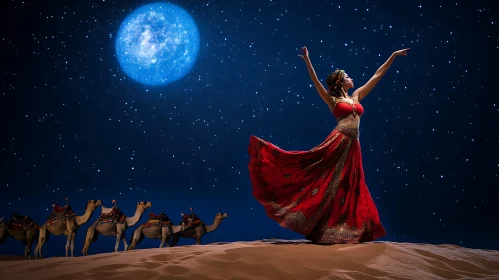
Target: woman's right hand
pixel 304 52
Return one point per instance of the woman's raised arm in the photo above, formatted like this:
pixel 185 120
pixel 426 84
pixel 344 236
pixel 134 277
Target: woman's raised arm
pixel 320 88
pixel 364 90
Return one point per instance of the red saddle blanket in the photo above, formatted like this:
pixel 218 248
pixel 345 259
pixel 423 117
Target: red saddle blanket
pixel 157 220
pixel 115 216
pixel 191 221
pixel 151 223
pixel 61 209
pixel 20 223
pixel 60 214
pixel 196 222
pixel 161 217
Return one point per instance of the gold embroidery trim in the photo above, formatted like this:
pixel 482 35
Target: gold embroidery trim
pixel 348 131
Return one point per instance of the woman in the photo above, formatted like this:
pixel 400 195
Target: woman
pixel 322 193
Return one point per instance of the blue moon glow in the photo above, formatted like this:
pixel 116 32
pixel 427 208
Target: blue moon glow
pixel 157 44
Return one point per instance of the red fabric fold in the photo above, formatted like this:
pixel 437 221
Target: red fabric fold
pixel 320 193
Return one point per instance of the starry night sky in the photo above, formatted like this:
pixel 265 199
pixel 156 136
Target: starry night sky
pixel 74 125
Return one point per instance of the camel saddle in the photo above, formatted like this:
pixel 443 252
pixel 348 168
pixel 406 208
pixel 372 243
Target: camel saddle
pixel 191 220
pixel 115 216
pixel 19 222
pixel 157 220
pixel 60 214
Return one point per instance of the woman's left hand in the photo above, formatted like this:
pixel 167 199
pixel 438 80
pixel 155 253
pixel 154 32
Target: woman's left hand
pixel 401 52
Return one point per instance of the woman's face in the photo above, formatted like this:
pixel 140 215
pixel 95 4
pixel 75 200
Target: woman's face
pixel 347 82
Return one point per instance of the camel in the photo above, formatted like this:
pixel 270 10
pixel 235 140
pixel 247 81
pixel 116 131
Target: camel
pixel 156 227
pixel 113 222
pixel 198 231
pixel 63 221
pixel 21 228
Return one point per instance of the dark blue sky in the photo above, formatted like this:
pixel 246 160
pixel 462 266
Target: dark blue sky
pixel 74 125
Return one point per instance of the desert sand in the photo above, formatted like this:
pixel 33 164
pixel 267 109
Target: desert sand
pixel 268 259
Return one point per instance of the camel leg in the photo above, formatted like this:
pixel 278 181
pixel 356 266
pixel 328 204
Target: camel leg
pixel 27 248
pixel 68 241
pixel 29 244
pixel 124 240
pixel 3 232
pixel 198 233
pixel 164 234
pixel 88 240
pixel 118 237
pixel 41 239
pixel 169 233
pixel 119 232
pixel 168 237
pixel 135 238
pixel 73 243
pixel 27 251
pixel 175 239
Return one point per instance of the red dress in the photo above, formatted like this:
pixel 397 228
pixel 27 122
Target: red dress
pixel 320 193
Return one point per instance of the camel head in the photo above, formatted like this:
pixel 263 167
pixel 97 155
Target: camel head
pixel 142 206
pixel 221 216
pixel 93 204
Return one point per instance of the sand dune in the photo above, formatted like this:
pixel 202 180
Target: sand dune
pixel 269 259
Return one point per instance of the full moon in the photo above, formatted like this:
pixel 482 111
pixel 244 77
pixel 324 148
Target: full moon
pixel 157 44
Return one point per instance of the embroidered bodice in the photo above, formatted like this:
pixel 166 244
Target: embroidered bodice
pixel 344 108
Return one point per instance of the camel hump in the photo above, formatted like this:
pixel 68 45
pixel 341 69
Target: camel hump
pixel 162 217
pixel 60 214
pixel 19 217
pixel 113 216
pixel 157 220
pixel 109 212
pixel 61 209
pixel 190 217
pixel 20 223
pixel 190 221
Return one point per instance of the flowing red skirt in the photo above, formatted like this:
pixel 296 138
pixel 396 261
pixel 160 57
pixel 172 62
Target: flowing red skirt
pixel 320 193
